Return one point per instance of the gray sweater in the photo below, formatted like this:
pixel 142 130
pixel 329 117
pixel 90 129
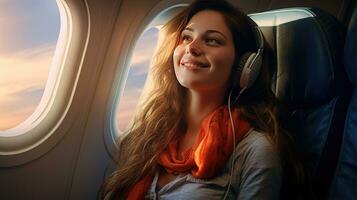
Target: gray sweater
pixel 257 174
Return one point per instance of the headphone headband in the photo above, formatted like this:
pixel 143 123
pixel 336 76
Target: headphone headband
pixel 259 38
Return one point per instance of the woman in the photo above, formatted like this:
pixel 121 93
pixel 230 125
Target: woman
pixel 200 133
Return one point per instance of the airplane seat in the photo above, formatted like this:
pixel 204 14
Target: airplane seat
pixel 310 80
pixel 345 180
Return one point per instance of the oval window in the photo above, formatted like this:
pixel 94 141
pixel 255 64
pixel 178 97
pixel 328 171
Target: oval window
pixel 138 71
pixel 28 37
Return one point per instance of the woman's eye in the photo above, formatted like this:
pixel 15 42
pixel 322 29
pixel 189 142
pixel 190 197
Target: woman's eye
pixel 185 38
pixel 213 41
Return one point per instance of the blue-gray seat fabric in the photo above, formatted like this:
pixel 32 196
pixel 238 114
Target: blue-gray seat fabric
pixel 310 79
pixel 344 185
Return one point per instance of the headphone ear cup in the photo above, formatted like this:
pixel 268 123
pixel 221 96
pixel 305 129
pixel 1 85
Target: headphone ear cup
pixel 241 65
pixel 250 70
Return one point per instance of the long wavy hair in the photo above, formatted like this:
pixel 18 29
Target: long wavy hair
pixel 161 117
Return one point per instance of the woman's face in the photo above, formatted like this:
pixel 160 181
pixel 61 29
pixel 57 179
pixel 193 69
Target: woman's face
pixel 205 54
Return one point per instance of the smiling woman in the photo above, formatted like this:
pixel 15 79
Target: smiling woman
pixel 191 138
pixel 28 41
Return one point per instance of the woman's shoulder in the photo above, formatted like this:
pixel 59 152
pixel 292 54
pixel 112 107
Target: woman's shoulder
pixel 257 170
pixel 257 149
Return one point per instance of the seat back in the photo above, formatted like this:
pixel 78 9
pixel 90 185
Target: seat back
pixel 311 81
pixel 344 184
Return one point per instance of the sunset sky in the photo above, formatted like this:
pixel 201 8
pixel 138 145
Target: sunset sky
pixel 137 75
pixel 28 37
pixel 29 32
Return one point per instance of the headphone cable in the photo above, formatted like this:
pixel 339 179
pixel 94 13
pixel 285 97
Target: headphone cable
pixel 234 139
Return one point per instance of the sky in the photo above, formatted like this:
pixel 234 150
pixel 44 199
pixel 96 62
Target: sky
pixel 28 37
pixel 143 52
pixel 29 33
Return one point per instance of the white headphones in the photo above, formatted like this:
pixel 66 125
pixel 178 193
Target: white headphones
pixel 248 69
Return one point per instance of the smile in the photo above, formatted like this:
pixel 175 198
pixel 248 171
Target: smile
pixel 194 65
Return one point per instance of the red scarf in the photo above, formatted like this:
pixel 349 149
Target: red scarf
pixel 208 155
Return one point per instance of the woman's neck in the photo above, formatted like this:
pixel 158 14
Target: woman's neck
pixel 199 105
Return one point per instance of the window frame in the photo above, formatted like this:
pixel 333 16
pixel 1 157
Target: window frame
pixel 26 141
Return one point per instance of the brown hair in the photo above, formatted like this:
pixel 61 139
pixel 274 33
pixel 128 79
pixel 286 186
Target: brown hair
pixel 162 114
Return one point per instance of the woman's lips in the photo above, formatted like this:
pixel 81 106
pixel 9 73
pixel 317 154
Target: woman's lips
pixel 194 65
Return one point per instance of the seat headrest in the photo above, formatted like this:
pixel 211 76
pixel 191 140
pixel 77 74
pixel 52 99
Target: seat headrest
pixel 308 45
pixel 350 57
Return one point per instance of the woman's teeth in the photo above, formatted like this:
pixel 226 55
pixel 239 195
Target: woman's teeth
pixel 191 65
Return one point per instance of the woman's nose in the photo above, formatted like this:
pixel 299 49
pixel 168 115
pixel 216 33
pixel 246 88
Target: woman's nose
pixel 193 49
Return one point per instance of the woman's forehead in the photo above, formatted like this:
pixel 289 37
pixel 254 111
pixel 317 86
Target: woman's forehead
pixel 208 20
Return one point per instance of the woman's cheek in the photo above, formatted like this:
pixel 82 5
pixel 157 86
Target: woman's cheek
pixel 177 56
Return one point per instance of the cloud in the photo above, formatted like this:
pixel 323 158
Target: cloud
pixel 142 56
pixel 10 121
pixel 37 24
pixel 18 106
pixel 141 60
pixel 145 48
pixel 22 99
pixel 23 77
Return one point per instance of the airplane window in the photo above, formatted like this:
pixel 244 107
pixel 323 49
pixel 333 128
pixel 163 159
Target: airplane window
pixel 28 37
pixel 137 75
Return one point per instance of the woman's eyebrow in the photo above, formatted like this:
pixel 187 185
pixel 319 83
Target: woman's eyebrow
pixel 208 31
pixel 215 31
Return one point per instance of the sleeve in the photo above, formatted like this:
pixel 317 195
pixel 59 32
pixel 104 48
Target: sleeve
pixel 261 171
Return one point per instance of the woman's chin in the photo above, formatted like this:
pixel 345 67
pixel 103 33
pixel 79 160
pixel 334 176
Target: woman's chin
pixel 191 84
pixel 197 86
